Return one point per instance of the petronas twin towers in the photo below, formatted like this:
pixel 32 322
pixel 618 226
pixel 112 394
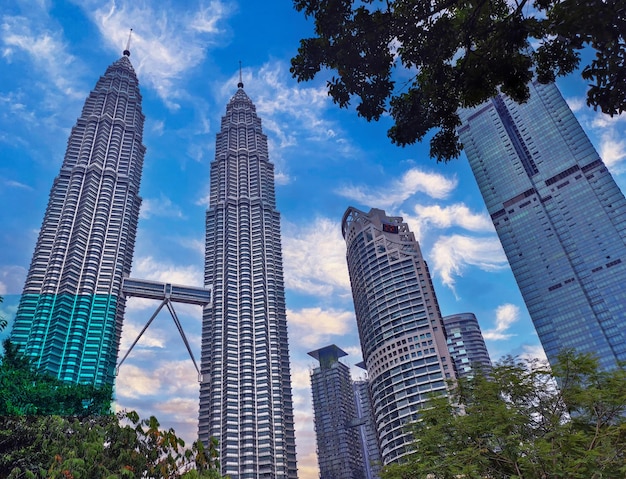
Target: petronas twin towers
pixel 246 400
pixel 70 315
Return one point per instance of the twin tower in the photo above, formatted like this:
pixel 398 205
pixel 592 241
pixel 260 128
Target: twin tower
pixel 70 315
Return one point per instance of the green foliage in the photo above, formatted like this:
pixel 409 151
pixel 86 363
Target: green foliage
pixel 518 423
pixel 122 446
pixel 26 391
pixel 458 54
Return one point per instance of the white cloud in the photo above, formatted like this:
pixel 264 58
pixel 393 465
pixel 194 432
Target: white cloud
pixel 12 279
pixel 576 103
pixel 413 181
pixel 534 351
pixel 165 45
pixel 312 327
pixel 194 244
pixel 148 268
pixel 457 214
pixel 153 337
pixel 606 132
pixel 15 184
pixel 300 376
pixel 46 49
pixel 506 315
pixel 612 150
pixel 437 216
pixel 451 255
pixel 133 382
pixel 314 258
pixel 161 206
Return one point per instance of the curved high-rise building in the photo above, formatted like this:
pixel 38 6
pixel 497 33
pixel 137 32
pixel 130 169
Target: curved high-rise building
pixel 560 216
pixel 70 315
pixel 400 327
pixel 245 392
pixel 466 344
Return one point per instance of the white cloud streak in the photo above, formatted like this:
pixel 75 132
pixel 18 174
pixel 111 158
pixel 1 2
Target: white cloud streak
pixel 506 315
pixel 12 279
pixel 312 327
pixel 161 206
pixel 412 182
pixel 148 268
pixel 314 258
pixel 165 45
pixel 46 48
pixel 451 255
pixel 606 132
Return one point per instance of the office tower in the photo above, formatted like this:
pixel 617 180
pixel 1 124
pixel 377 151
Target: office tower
pixel 399 322
pixel 466 344
pixel 245 392
pixel 338 445
pixel 560 217
pixel 69 319
pixel 367 428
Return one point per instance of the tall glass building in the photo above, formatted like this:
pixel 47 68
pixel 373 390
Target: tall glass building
pixel 466 344
pixel 367 428
pixel 69 318
pixel 245 392
pixel 339 452
pixel 560 217
pixel 400 326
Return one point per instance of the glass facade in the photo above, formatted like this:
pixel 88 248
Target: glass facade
pixel 399 322
pixel 466 344
pixel 245 392
pixel 69 319
pixel 560 217
pixel 367 428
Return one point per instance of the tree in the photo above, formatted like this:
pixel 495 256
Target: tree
pixel 113 446
pixel 52 429
pixel 517 423
pixel 26 391
pixel 457 54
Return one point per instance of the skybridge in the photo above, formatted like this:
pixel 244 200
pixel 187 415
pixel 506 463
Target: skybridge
pixel 168 294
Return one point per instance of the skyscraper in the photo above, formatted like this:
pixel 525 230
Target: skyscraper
pixel 245 392
pixel 367 428
pixel 560 217
pixel 466 344
pixel 338 443
pixel 70 314
pixel 399 322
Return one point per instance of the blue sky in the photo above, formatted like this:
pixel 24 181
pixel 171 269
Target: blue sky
pixel 187 60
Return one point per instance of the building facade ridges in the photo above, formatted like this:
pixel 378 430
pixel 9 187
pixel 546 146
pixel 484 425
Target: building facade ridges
pixel 399 321
pixel 70 314
pixel 466 344
pixel 245 395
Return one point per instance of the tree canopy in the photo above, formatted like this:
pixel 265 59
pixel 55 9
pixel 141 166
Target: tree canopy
pixel 517 423
pixel 420 61
pixel 26 391
pixel 112 447
pixel 53 429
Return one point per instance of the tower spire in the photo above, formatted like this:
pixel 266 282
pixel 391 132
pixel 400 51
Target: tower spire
pixel 127 49
pixel 240 84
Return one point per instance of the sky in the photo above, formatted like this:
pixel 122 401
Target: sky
pixel 186 55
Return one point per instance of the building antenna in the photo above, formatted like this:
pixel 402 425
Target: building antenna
pixel 240 84
pixel 127 50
